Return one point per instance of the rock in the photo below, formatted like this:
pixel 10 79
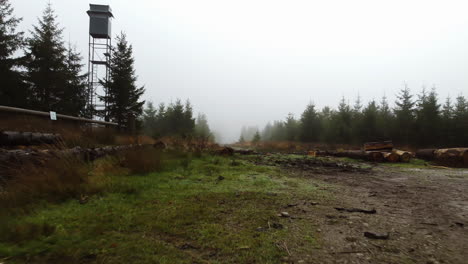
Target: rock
pixel 284 214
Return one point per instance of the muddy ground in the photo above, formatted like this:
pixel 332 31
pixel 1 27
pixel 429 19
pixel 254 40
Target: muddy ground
pixel 421 214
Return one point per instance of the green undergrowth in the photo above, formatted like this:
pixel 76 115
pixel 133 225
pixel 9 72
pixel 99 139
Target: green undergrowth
pixel 197 210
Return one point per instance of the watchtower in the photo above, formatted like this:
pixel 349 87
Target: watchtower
pixel 99 54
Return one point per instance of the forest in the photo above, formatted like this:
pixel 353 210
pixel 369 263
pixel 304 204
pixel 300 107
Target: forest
pixel 415 120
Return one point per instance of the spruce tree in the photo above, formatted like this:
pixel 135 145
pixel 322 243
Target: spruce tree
pixel 428 119
pixel 149 119
pixel 404 114
pixel 385 119
pixel 46 64
pixel 123 96
pixel 447 131
pixel 256 138
pixel 75 88
pixel 13 91
pixel 310 125
pixel 460 120
pixel 202 129
pixel 369 122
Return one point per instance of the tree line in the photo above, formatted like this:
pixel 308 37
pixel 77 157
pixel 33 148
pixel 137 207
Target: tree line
pixel 415 120
pixel 175 119
pixel 48 75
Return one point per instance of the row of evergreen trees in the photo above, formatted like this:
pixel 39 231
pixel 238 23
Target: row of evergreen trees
pixel 414 120
pixel 48 75
pixel 176 119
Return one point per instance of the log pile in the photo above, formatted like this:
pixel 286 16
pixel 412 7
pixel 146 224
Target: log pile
pixel 374 152
pixel 14 138
pixel 453 157
pixel 378 146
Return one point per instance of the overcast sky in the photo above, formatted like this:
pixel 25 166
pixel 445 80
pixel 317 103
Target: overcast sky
pixel 249 62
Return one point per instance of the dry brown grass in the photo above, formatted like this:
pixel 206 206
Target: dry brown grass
pixel 141 161
pixel 52 180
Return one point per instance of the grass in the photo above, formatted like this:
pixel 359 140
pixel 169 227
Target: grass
pixel 196 210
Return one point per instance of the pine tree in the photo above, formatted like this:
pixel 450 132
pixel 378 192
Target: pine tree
pixel 241 139
pixel 13 91
pixel 123 96
pixel 310 125
pixel 46 63
pixel 404 113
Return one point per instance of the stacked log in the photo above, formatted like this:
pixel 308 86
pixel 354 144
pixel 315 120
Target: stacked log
pixel 14 138
pixel 378 146
pixel 425 154
pixel 403 156
pixel 374 156
pixel 453 157
pixel 391 157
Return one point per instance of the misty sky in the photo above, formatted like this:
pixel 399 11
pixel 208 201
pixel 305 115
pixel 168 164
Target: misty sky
pixel 249 62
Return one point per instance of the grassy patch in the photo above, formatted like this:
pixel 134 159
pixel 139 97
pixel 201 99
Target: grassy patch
pixel 414 163
pixel 207 209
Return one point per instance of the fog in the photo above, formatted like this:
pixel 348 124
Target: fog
pixel 250 62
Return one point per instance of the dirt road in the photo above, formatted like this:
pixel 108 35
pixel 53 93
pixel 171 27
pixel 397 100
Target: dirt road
pixel 421 215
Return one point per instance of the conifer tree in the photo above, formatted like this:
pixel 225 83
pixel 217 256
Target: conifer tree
pixel 447 131
pixel 202 129
pixel 75 88
pixel 310 125
pixel 460 120
pixel 385 119
pixel 46 63
pixel 428 119
pixel 404 114
pixel 123 96
pixel 150 120
pixel 256 138
pixel 369 124
pixel 13 91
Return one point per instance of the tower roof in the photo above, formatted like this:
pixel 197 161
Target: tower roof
pixel 100 10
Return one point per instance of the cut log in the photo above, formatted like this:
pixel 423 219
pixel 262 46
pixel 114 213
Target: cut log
pixel 384 146
pixel 453 157
pixel 14 138
pixel 375 156
pixel 404 156
pixel 425 154
pixel 465 158
pixel 391 156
